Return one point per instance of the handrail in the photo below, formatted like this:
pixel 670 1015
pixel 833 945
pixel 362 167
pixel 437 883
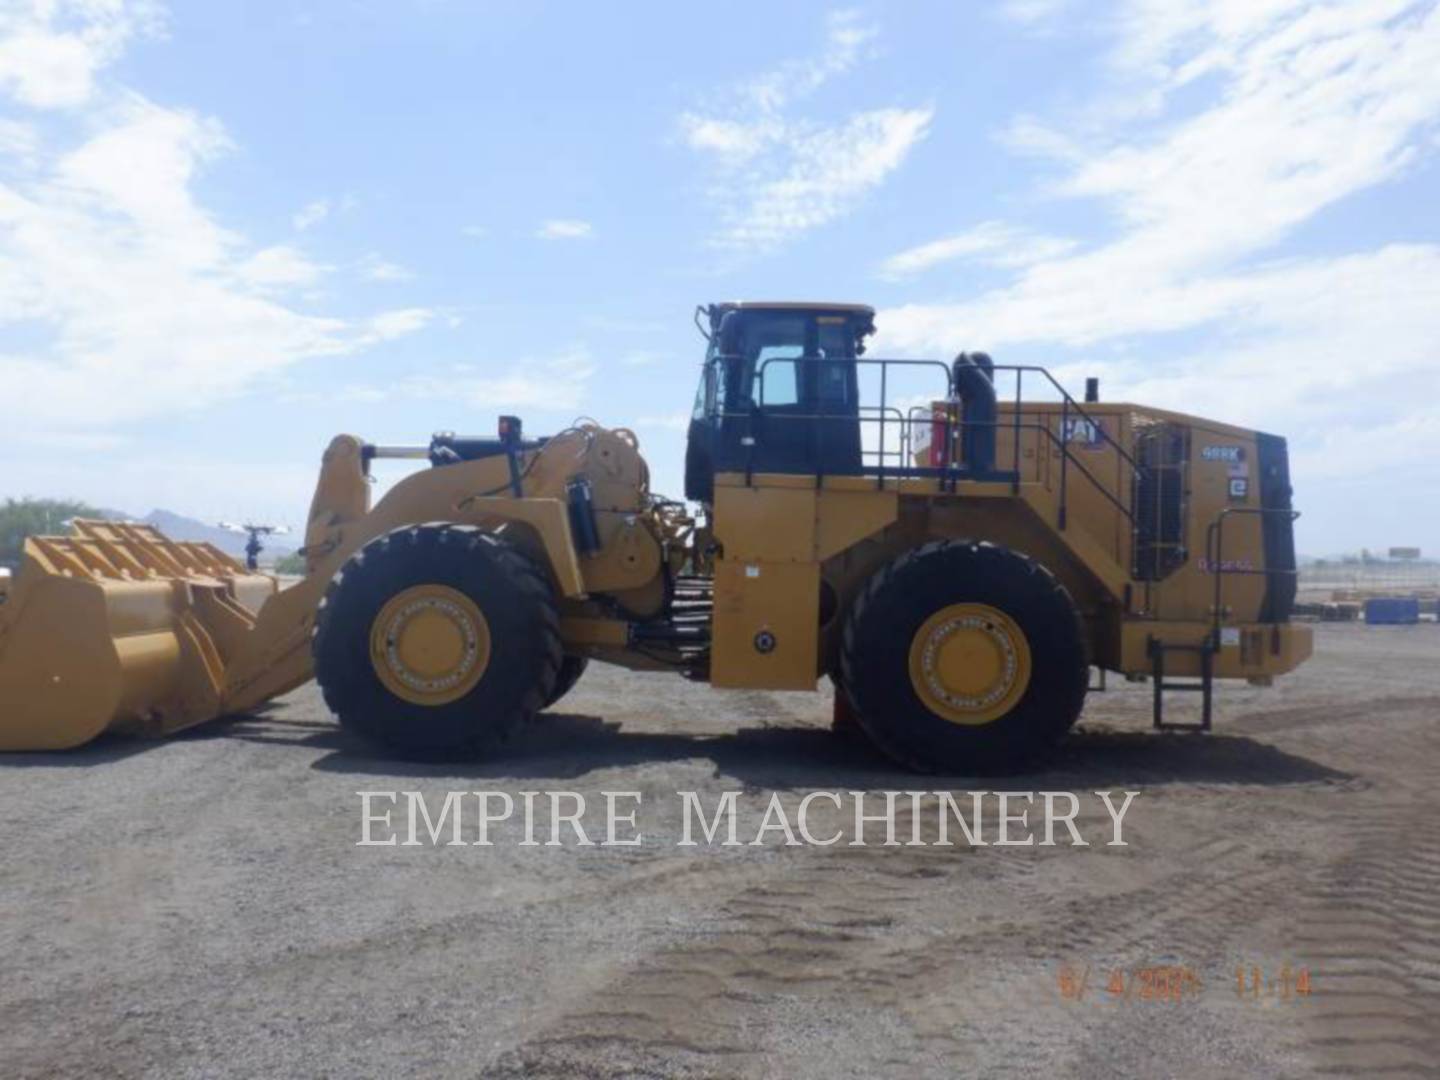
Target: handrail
pixel 1214 554
pixel 858 361
pixel 885 410
pixel 1137 471
pixel 1069 401
pixel 1017 423
pixel 1066 398
pixel 953 466
pixel 910 421
pixel 1066 454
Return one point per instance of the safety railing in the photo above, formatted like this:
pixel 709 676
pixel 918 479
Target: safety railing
pixel 886 419
pixel 1069 405
pixel 1215 558
pixel 880 453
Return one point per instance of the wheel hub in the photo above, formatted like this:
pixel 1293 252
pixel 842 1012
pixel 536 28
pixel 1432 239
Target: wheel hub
pixel 430 645
pixel 970 663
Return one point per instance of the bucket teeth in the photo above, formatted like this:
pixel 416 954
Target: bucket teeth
pixel 116 626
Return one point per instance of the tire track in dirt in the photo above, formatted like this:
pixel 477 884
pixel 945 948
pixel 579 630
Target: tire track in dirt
pixel 1311 717
pixel 874 927
pixel 1371 933
pixel 818 931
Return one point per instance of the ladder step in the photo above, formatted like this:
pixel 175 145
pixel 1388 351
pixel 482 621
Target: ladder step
pixel 1205 687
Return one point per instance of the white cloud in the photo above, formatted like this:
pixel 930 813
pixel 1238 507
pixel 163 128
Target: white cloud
pixel 135 280
pixel 563 229
pixel 146 304
pixel 560 382
pixel 389 325
pixel 475 232
pixel 310 215
pixel 1324 100
pixel 767 94
pixel 1314 110
pixel 19 142
pixel 317 211
pixel 1308 104
pixel 781 175
pixel 992 242
pixel 374 268
pixel 1032 11
pixel 52 50
pixel 1308 343
pixel 1029 136
pixel 138 169
pixel 736 141
pixel 811 190
pixel 280 266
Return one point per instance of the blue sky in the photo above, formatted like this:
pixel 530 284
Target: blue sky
pixel 230 230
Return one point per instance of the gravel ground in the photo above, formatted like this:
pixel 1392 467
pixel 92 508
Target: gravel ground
pixel 199 907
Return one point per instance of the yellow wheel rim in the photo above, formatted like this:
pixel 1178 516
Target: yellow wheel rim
pixel 430 645
pixel 969 663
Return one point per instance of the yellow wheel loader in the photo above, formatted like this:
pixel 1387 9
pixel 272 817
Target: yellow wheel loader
pixel 956 561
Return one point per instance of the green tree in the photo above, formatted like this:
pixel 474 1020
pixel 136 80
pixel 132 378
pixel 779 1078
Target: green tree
pixel 292 565
pixel 20 518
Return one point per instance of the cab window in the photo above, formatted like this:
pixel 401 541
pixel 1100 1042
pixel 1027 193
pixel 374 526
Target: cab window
pixel 777 376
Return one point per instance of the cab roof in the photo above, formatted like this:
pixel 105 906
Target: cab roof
pixel 792 305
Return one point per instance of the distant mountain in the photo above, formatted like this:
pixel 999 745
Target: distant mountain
pixel 179 527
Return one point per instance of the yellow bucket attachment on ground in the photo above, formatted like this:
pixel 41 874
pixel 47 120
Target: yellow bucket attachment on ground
pixel 118 627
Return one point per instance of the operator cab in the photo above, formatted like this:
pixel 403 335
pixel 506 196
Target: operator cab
pixel 778 392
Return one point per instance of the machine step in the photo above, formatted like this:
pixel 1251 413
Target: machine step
pixel 1205 686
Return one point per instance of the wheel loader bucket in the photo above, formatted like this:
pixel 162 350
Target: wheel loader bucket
pixel 117 627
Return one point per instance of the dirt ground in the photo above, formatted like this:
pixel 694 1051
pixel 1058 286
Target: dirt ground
pixel 200 907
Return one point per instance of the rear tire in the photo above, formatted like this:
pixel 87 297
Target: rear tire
pixel 899 625
pixel 519 651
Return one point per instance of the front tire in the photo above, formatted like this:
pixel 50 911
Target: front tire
pixel 437 641
pixel 964 657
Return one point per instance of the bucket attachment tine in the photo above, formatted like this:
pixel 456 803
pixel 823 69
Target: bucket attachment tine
pixel 117 627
